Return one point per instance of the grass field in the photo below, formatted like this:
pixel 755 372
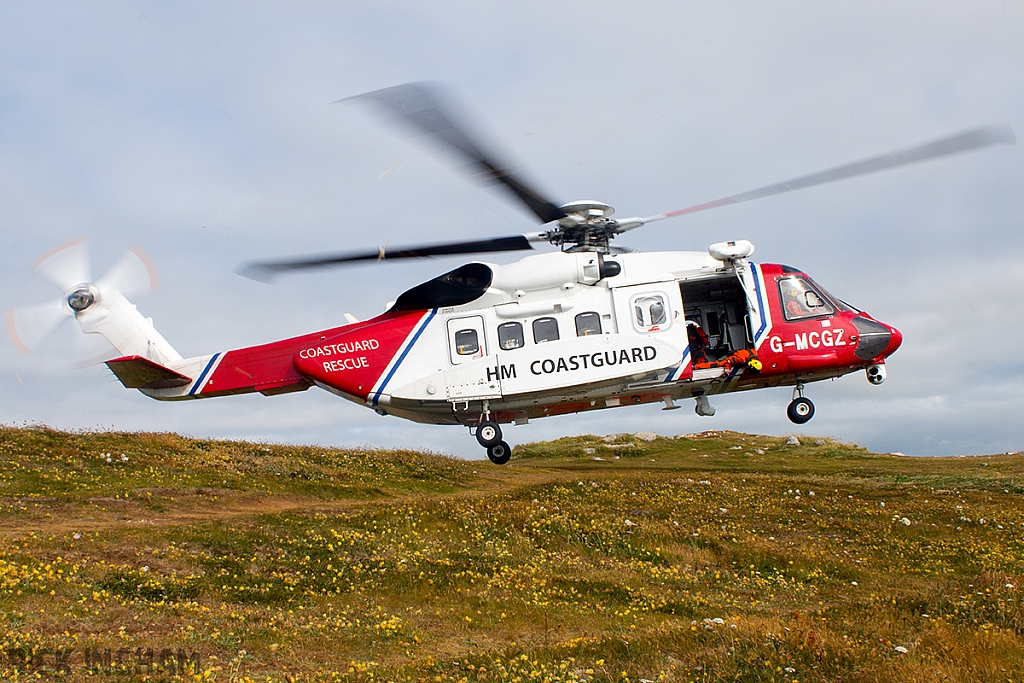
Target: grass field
pixel 714 557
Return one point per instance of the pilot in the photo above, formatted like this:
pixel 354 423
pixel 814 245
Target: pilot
pixel 795 306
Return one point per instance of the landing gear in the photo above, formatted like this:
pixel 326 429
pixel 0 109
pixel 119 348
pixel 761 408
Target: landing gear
pixel 800 409
pixel 488 433
pixel 499 453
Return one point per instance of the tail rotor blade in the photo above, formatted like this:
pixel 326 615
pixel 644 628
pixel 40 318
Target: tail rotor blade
pixel 29 325
pixel 65 265
pixel 132 274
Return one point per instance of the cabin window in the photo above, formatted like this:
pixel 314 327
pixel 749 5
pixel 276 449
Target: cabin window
pixel 650 312
pixel 588 324
pixel 800 299
pixel 466 342
pixel 510 336
pixel 466 339
pixel 545 330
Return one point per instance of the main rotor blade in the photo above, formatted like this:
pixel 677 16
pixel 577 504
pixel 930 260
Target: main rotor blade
pixel 423 106
pixel 264 271
pixel 962 142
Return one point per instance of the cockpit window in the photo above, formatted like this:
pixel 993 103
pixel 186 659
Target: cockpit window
pixel 840 304
pixel 801 300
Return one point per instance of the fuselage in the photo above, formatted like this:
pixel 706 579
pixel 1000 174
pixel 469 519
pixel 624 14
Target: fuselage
pixel 564 332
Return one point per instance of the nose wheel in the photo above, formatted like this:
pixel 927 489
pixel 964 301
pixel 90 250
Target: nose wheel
pixel 800 409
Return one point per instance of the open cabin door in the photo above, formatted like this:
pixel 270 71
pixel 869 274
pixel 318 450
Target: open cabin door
pixel 726 312
pixel 758 319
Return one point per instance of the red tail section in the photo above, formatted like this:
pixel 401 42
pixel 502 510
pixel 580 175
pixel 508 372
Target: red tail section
pixel 355 361
pixel 268 368
pixel 352 359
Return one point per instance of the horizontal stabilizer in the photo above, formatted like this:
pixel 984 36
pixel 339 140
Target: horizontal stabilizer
pixel 136 372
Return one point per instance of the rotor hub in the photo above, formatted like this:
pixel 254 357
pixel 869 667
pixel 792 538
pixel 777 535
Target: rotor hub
pixel 587 209
pixel 81 298
pixel 587 226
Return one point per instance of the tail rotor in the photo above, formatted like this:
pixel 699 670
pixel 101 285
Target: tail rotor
pixel 67 266
pixel 28 326
pixel 132 274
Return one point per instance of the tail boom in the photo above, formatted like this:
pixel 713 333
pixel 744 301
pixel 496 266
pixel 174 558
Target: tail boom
pixel 353 361
pixel 268 369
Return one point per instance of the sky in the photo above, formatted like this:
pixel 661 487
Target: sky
pixel 205 134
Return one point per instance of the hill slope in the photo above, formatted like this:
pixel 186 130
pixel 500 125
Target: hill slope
pixel 720 556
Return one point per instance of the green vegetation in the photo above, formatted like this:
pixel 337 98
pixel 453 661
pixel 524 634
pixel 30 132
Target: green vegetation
pixel 714 557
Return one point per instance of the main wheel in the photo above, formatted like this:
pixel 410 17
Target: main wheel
pixel 499 453
pixel 800 410
pixel 488 434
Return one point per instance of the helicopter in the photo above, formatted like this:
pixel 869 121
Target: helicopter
pixel 586 326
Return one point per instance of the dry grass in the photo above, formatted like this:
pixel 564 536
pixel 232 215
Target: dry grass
pixel 718 557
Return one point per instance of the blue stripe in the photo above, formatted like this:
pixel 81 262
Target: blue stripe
pixel 202 375
pixel 401 358
pixel 671 375
pixel 760 302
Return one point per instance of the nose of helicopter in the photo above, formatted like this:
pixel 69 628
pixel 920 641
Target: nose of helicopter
pixel 895 341
pixel 877 339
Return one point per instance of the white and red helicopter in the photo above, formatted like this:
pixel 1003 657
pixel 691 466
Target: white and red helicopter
pixel 586 327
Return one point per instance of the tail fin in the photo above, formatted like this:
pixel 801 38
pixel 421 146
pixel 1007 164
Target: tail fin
pixel 110 314
pixel 136 372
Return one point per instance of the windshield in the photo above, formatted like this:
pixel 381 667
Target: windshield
pixel 840 304
pixel 800 299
